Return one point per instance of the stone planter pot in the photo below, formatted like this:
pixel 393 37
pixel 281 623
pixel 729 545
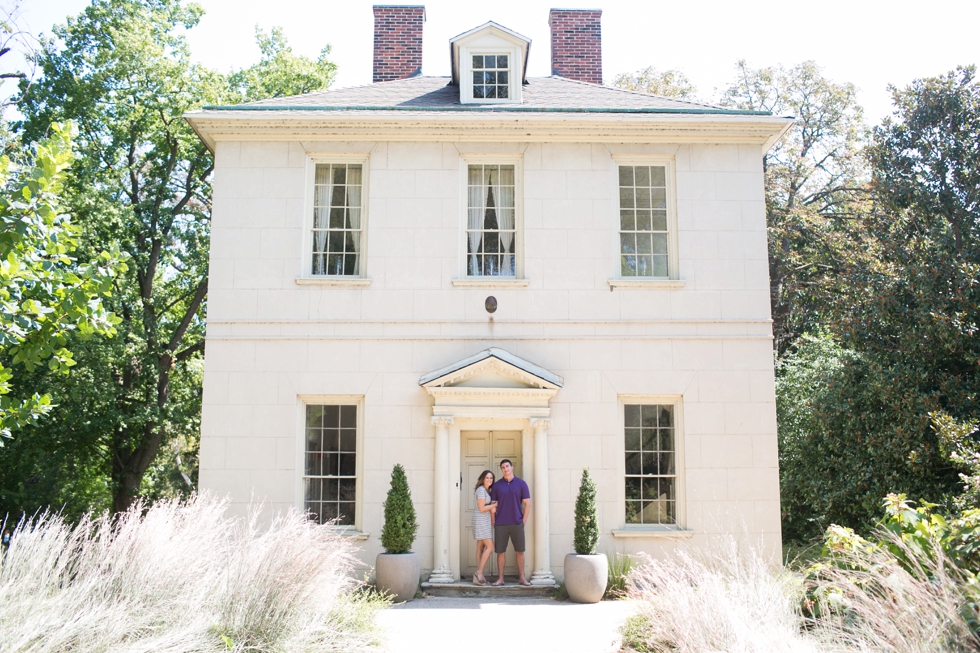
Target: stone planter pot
pixel 586 576
pixel 398 575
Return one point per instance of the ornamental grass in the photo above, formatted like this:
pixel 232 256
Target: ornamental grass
pixel 863 600
pixel 182 576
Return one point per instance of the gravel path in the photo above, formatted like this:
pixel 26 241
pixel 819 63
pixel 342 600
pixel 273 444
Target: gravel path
pixel 476 625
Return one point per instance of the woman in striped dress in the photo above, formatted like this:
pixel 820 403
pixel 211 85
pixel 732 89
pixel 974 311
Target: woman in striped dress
pixel 483 524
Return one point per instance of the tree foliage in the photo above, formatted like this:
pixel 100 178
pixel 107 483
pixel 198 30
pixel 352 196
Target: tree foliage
pixel 142 179
pixel 850 432
pixel 400 527
pixel 815 190
pixel 666 83
pixel 45 296
pixel 586 536
pixel 280 72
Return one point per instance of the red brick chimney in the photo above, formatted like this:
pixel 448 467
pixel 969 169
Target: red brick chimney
pixel 576 44
pixel 397 41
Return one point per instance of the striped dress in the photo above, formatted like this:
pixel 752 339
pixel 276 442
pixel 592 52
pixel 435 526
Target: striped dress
pixel 481 520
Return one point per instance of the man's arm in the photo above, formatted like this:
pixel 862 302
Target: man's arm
pixel 526 508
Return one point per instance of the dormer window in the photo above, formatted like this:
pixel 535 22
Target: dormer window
pixel 489 64
pixel 491 75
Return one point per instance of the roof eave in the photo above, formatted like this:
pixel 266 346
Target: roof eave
pixel 663 127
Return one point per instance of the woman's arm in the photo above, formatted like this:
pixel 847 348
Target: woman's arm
pixel 483 506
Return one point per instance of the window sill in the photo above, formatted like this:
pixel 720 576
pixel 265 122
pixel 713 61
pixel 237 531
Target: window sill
pixel 357 536
pixel 490 283
pixel 646 283
pixel 665 533
pixel 349 282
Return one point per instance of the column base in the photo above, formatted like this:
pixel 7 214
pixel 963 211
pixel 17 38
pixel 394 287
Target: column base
pixel 543 577
pixel 441 576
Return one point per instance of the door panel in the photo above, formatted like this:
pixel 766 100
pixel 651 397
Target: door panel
pixel 482 450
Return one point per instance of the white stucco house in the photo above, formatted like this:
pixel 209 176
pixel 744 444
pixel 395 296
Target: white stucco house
pixel 445 272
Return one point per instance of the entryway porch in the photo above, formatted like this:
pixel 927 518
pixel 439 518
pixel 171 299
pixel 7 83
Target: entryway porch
pixel 493 391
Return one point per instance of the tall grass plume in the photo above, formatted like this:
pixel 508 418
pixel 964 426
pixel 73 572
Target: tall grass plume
pixel 892 597
pixel 725 599
pixel 181 576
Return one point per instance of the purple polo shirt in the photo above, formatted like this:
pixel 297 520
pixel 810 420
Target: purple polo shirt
pixel 509 495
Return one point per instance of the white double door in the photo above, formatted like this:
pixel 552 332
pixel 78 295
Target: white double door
pixel 481 450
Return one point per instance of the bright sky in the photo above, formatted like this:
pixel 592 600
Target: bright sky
pixel 871 43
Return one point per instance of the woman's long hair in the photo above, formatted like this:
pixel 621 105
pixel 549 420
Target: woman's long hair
pixel 479 481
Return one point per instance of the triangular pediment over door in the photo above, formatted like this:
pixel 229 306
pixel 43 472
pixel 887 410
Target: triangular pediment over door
pixel 492 380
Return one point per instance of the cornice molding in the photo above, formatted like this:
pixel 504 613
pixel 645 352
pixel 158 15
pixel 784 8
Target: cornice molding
pixel 496 127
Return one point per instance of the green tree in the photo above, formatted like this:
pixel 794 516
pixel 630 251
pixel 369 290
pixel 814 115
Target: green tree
pixel 44 294
pixel 280 72
pixel 667 83
pixel 815 190
pixel 400 527
pixel 142 179
pixel 586 517
pixel 850 432
pixel 122 68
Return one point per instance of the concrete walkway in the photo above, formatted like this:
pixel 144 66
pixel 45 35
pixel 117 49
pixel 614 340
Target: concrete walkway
pixel 475 625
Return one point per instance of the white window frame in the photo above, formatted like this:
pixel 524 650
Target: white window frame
pixel 518 280
pixel 305 276
pixel 299 498
pixel 672 280
pixel 514 78
pixel 679 529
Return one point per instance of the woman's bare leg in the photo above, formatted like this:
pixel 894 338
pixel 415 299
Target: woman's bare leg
pixel 483 557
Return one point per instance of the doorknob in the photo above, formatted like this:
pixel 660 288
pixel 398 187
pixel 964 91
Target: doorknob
pixel 460 481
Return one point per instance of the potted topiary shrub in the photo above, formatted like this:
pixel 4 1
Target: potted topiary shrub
pixel 397 569
pixel 585 572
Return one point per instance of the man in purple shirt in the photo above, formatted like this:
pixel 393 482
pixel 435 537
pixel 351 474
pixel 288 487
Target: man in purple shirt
pixel 513 510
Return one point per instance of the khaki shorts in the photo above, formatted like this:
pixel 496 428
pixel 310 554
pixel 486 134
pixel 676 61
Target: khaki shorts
pixel 503 532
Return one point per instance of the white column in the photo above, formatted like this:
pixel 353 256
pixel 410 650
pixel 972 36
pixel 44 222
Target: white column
pixel 441 573
pixel 541 507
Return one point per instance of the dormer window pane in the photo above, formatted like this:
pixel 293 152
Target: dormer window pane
pixel 490 76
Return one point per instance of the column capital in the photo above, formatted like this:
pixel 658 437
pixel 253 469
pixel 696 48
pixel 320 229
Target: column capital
pixel 540 423
pixel 444 421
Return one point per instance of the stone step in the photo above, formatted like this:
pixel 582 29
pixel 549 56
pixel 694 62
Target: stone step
pixel 466 589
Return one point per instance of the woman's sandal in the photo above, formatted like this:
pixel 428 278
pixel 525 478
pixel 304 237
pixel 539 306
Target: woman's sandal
pixel 479 581
pixel 499 583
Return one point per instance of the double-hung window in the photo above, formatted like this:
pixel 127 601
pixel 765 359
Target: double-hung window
pixel 646 222
pixel 651 464
pixel 337 228
pixel 330 463
pixel 491 220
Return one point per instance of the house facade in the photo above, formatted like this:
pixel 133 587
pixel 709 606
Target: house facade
pixel 446 272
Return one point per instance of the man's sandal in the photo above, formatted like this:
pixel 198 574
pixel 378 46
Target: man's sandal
pixel 525 583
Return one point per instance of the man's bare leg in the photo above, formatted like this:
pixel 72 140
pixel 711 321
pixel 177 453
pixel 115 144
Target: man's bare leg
pixel 520 569
pixel 501 559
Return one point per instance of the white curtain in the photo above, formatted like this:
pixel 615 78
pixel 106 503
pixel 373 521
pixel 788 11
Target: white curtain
pixel 474 219
pixel 321 216
pixel 353 221
pixel 505 216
